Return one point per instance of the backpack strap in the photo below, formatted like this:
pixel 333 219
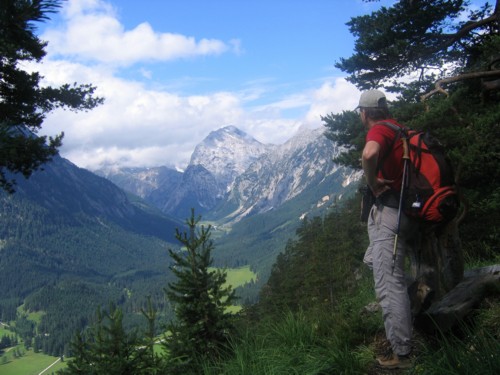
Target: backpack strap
pixel 401 132
pixel 398 129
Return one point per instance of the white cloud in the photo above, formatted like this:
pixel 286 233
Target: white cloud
pixel 92 32
pixel 135 125
pixel 74 8
pixel 266 122
pixel 148 74
pixel 271 130
pixel 139 125
pixel 333 96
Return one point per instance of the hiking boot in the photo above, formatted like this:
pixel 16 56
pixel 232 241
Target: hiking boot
pixel 393 361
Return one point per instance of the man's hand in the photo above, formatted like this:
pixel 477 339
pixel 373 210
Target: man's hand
pixel 380 186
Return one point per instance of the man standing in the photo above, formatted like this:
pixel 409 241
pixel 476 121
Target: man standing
pixel 382 162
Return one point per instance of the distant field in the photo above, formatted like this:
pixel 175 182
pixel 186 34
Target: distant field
pixel 36 316
pixel 239 276
pixel 4 331
pixel 29 364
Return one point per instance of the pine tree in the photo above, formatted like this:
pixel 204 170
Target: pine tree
pixel 106 348
pixel 151 360
pixel 200 299
pixel 82 357
pixel 23 102
pixel 317 270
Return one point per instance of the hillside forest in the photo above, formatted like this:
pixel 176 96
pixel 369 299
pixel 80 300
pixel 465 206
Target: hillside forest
pixel 440 60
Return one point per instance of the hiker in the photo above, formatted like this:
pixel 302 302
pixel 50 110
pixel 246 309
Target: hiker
pixel 382 162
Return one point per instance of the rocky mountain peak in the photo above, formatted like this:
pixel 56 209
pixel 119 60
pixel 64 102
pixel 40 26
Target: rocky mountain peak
pixel 304 161
pixel 226 153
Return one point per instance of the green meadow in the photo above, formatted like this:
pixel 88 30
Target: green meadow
pixel 236 277
pixel 30 363
pixel 4 331
pixel 239 276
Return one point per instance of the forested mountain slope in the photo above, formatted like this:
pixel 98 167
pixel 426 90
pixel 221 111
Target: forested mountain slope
pixel 258 240
pixel 71 241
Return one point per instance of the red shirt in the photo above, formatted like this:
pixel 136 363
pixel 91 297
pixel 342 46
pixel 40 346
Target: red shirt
pixel 390 158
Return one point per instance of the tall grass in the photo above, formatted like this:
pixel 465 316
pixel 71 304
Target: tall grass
pixel 472 354
pixel 292 345
pixel 473 348
pixel 342 341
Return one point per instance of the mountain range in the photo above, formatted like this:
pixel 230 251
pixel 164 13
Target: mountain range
pixel 232 176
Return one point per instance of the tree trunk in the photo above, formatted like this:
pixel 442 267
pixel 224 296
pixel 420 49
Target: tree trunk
pixel 461 300
pixel 440 293
pixel 436 264
pixel 436 261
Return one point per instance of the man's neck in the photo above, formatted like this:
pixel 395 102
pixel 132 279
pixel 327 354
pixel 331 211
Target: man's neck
pixel 370 123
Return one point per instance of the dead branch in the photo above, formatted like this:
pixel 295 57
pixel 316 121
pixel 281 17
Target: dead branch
pixel 439 84
pixel 491 85
pixel 461 300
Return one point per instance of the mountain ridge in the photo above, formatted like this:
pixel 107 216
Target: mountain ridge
pixel 66 230
pixel 232 175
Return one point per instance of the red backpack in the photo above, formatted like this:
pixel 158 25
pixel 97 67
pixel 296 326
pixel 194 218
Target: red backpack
pixel 430 192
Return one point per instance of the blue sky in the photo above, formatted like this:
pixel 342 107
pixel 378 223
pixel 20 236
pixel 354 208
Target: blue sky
pixel 172 71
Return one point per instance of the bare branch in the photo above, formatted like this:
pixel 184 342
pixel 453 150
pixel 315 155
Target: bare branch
pixel 438 85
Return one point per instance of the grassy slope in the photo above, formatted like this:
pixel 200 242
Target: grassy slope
pixel 29 364
pixel 345 341
pixel 239 276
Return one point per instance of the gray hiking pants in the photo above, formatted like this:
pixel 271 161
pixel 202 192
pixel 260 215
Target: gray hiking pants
pixel 390 286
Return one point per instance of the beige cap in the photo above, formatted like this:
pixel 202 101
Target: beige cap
pixel 372 99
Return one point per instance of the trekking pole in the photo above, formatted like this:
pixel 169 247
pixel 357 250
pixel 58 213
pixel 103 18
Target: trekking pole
pixel 406 157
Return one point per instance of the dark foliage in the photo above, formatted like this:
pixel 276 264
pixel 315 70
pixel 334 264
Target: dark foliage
pixel 67 265
pixel 424 36
pixel 107 348
pixel 317 270
pixel 23 103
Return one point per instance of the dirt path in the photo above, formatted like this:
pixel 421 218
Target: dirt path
pixel 57 360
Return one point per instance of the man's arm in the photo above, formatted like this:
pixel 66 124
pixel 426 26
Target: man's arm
pixel 369 161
